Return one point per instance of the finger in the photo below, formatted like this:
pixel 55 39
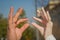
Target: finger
pixel 44 15
pixel 39 20
pixel 10 17
pixel 21 20
pixel 40 28
pixel 24 27
pixel 49 18
pixel 19 12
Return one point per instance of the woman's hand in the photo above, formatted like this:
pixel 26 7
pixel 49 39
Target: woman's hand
pixel 14 33
pixel 47 30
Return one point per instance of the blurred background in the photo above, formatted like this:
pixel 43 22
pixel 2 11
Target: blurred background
pixel 30 7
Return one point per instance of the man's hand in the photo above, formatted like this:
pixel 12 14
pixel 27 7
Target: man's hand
pixel 45 31
pixel 13 32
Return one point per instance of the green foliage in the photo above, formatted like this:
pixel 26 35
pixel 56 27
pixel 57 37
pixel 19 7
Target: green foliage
pixel 3 27
pixel 1 15
pixel 29 34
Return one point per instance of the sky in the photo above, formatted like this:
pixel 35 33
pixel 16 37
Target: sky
pixel 27 5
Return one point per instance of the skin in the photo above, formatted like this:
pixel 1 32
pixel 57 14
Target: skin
pixel 13 32
pixel 47 30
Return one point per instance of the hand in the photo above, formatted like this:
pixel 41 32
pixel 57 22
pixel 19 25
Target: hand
pixel 15 33
pixel 45 31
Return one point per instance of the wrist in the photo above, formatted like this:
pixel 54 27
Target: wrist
pixel 50 37
pixel 49 28
pixel 19 37
pixel 47 35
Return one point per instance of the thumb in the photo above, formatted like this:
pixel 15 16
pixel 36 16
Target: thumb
pixel 24 27
pixel 40 28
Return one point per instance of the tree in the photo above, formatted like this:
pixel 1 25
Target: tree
pixel 1 15
pixel 3 26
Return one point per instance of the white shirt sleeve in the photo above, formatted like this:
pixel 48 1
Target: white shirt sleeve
pixel 50 37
